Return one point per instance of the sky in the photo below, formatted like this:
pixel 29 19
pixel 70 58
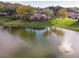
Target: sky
pixel 44 4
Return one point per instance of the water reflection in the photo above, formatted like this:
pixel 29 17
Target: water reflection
pixel 38 45
pixel 68 43
pixel 49 42
pixel 9 44
pixel 54 30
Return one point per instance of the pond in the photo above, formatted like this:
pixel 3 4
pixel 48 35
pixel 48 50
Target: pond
pixel 49 43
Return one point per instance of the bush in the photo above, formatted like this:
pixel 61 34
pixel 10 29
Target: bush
pixel 40 17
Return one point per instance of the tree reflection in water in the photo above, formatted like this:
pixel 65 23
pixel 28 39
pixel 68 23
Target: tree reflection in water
pixel 65 45
pixel 43 42
pixel 53 30
pixel 22 32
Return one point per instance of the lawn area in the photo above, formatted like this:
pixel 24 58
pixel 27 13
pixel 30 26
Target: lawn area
pixel 15 23
pixel 65 23
pixel 4 21
pixel 20 23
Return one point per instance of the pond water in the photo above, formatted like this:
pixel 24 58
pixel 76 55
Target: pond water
pixel 49 43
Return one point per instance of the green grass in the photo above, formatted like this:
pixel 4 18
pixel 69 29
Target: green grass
pixel 75 26
pixel 20 23
pixel 13 23
pixel 5 21
pixel 55 22
pixel 65 23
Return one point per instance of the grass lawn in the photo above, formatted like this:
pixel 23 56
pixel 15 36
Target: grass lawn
pixel 20 23
pixel 66 23
pixel 8 22
pixel 15 23
pixel 56 22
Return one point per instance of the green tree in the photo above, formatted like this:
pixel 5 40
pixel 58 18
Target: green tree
pixel 62 13
pixel 2 6
pixel 21 10
pixel 30 11
pixel 10 8
pixel 25 11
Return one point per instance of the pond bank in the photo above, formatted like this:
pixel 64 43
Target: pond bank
pixel 66 23
pixel 28 24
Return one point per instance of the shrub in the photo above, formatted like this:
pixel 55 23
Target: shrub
pixel 39 17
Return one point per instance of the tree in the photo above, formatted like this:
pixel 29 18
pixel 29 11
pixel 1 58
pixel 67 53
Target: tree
pixel 2 6
pixel 48 12
pixel 25 11
pixel 62 13
pixel 55 9
pixel 30 12
pixel 10 8
pixel 21 10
